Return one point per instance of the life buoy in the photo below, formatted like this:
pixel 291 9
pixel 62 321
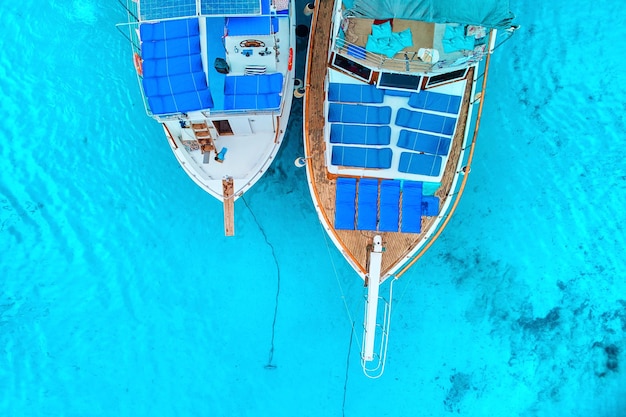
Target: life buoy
pixel 290 60
pixel 138 64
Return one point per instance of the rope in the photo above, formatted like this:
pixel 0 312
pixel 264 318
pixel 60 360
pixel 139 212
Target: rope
pixel 343 296
pixel 269 364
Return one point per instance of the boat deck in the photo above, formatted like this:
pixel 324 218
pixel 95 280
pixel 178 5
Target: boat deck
pixel 354 243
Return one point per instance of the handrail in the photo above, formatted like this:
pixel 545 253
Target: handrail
pixel 463 181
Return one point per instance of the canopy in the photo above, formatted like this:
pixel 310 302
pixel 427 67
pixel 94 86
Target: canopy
pixel 489 13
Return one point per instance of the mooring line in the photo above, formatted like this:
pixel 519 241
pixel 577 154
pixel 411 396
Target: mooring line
pixel 269 364
pixel 345 383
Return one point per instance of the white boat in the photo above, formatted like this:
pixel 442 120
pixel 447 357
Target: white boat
pixel 219 77
pixel 393 97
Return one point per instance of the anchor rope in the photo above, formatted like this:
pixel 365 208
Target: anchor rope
pixel 269 364
pixel 343 296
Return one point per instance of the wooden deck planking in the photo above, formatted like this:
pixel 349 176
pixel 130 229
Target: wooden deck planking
pixel 229 206
pixel 355 243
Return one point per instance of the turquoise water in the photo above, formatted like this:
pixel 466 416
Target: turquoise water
pixel 120 296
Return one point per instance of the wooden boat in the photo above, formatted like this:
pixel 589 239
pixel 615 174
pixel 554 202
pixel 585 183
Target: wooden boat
pixel 393 98
pixel 218 76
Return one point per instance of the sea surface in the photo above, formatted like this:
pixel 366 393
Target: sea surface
pixel 120 296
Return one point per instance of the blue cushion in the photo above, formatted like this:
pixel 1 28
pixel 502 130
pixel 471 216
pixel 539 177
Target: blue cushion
pixel 169 29
pixel 170 48
pixel 345 209
pixel 184 102
pixel 360 134
pixel 251 101
pixel 389 206
pixel 454 39
pixel 411 207
pixel 367 204
pixel 430 205
pixel 182 83
pixel 356 113
pixel 253 84
pixel 425 121
pixel 420 164
pixel 356 93
pixel 423 142
pixel 429 100
pixel 353 156
pixel 172 66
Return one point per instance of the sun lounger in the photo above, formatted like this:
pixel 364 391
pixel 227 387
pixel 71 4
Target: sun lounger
pixel 411 207
pixel 425 121
pixel 389 206
pixel 345 198
pixel 355 93
pixel 420 164
pixel 430 100
pixel 423 142
pixel 367 204
pixel 353 156
pixel 360 134
pixel 357 113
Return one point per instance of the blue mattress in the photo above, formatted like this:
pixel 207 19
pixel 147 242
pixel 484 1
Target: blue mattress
pixel 367 211
pixel 172 66
pixel 425 121
pixel 251 101
pixel 355 93
pixel 430 205
pixel 423 142
pixel 173 78
pixel 411 207
pixel 169 29
pixel 353 156
pixel 420 164
pixel 389 206
pixel 357 113
pixel 253 84
pixel 429 100
pixel 345 197
pixel 360 134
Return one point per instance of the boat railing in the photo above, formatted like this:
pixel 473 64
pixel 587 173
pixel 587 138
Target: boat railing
pixel 408 63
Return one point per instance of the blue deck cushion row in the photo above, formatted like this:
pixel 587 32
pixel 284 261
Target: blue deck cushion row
pixel 355 93
pixel 367 211
pixel 411 207
pixel 423 142
pixel 173 78
pixel 430 205
pixel 169 29
pixel 182 83
pixel 253 84
pixel 420 164
pixel 353 156
pixel 429 100
pixel 374 210
pixel 170 48
pixel 251 101
pixel 360 134
pixel 172 66
pixel 253 92
pixel 181 102
pixel 356 113
pixel 345 200
pixel 389 206
pixel 425 121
